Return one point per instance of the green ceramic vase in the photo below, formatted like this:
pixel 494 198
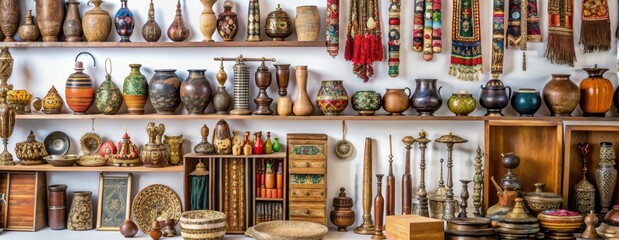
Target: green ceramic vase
pixel 135 90
pixel 108 97
pixel 276 146
pixel 462 103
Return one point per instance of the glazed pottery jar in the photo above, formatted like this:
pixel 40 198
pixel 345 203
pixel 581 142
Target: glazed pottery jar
pixel 81 214
pixel 596 93
pixel 561 95
pixel 278 24
pixel 526 101
pixel 129 229
pixel 462 103
pixel 163 90
pixel 396 101
pixel 227 22
pixel 208 21
pixel 9 18
pixel 177 31
pixel 50 14
pixel 124 22
pixel 108 98
pixel 342 215
pixel 222 141
pixel 307 23
pixel 175 144
pixel 151 31
pixel 72 26
pixel 332 98
pixel 302 105
pixel 196 92
pixel 135 90
pixel 426 99
pixel 57 207
pixel 494 97
pixel 96 23
pixel 606 175
pixel 366 103
pixel 80 89
pixel 29 32
pixel 52 102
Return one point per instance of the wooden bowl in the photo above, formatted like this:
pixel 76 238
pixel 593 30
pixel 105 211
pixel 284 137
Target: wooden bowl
pixel 62 160
pixel 203 224
pixel 560 220
pixel 287 230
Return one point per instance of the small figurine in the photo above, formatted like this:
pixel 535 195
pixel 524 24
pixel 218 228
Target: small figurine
pixel 169 231
pixel 247 150
pixel 128 155
pixel 237 143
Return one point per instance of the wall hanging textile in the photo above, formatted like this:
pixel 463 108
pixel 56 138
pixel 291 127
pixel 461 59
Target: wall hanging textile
pixel 498 38
pixel 595 27
pixel 427 28
pixel 364 44
pixel 418 26
pixel 333 27
pixel 466 57
pixel 517 24
pixel 560 49
pixel 394 38
pixel 534 34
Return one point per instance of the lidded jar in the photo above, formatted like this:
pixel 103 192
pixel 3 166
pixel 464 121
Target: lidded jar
pixel 79 89
pixel 342 215
pixel 52 102
pixel 494 97
pixel 278 24
pixel 596 93
pixel 462 103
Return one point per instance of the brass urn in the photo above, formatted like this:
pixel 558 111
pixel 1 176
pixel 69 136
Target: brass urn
pixel 7 113
pixel 342 216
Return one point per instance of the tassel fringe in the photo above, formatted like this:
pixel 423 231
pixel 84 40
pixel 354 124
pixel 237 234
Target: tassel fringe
pixel 348 50
pixel 467 73
pixel 595 36
pixel 560 49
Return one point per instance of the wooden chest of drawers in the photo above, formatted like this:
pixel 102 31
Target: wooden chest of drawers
pixel 307 156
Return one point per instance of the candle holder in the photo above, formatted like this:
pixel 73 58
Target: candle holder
pixel 367 227
pixel 422 195
pixel 478 183
pixel 464 197
pixel 7 113
pixel 407 182
pixel 450 139
pixel 583 196
pixel 390 183
pixel 438 199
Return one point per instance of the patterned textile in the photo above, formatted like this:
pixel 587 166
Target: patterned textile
pixel 466 54
pixel 498 37
pixel 560 49
pixel 595 27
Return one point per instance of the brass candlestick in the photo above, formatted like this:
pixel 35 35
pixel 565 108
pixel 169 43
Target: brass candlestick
pixel 390 183
pixel 379 207
pixel 478 182
pixel 407 182
pixel 367 227
pixel 583 196
pixel 450 139
pixel 422 195
pixel 464 196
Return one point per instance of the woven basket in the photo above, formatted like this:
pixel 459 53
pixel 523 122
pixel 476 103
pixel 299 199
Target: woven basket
pixel 287 230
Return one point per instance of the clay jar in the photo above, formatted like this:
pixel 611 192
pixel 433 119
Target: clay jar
pixel 596 93
pixel 135 90
pixel 151 31
pixel 342 215
pixel 129 229
pixel 396 101
pixel 426 99
pixel 196 91
pixel 366 103
pixel 526 101
pixel 81 214
pixel 307 23
pixel 163 90
pixel 9 18
pixel 278 24
pixel 462 103
pixel 561 95
pixel 29 32
pixel 227 22
pixel 72 26
pixel 494 98
pixel 97 23
pixel 50 14
pixel 332 98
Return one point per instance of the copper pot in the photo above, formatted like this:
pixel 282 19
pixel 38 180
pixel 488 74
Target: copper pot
pixel 561 95
pixel 342 216
pixel 396 101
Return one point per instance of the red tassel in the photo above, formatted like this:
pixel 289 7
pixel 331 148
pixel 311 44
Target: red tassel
pixel 357 51
pixel 367 48
pixel 378 51
pixel 348 51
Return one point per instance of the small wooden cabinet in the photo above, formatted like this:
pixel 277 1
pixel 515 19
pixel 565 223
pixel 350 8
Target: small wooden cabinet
pixel 26 196
pixel 307 156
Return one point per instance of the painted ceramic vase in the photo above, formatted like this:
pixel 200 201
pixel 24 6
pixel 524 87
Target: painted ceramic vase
pixel 462 103
pixel 96 23
pixel 208 21
pixel 196 91
pixel 366 103
pixel 278 25
pixel 29 32
pixel 332 98
pixel 227 22
pixel 135 90
pixel 178 31
pixel 52 102
pixel 72 26
pixel 494 97
pixel 151 31
pixel 175 143
pixel 108 98
pixel 81 213
pixel 50 14
pixel 561 95
pixel 9 18
pixel 124 22
pixel 596 93
pixel 163 90
pixel 526 101
pixel 396 101
pixel 79 90
pixel 222 140
pixel 426 98
pixel 302 105
pixel 276 145
pixel 307 23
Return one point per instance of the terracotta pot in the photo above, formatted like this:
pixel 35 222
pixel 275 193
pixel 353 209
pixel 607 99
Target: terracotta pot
pixel 72 27
pixel 151 30
pixel 129 229
pixel 9 18
pixel 135 90
pixel 278 24
pixel 29 32
pixel 396 101
pixel 57 207
pixel 561 95
pixel 177 31
pixel 494 97
pixel 124 22
pixel 596 93
pixel 96 23
pixel 81 214
pixel 342 215
pixel 163 91
pixel 302 105
pixel 366 103
pixel 50 14
pixel 196 92
pixel 426 99
pixel 332 98
pixel 462 103
pixel 307 23
pixel 227 22
pixel 79 90
pixel 284 106
pixel 526 101
pixel 208 21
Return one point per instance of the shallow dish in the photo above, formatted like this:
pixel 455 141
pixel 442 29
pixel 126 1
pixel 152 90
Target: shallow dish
pixel 91 161
pixel 61 160
pixel 90 143
pixel 287 230
pixel 57 143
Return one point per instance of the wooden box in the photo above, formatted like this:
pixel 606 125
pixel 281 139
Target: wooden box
pixel 26 195
pixel 413 227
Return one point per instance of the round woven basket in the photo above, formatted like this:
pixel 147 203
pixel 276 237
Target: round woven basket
pixel 287 230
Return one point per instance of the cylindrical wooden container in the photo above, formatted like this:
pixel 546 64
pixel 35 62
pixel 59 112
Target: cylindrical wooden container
pixel 50 16
pixel 57 207
pixel 307 23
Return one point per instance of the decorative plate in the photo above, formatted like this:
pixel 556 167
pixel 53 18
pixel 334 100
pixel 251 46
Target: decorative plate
pixel 90 143
pixel 287 230
pixel 57 143
pixel 155 201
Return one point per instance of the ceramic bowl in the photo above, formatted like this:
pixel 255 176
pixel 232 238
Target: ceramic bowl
pixel 537 202
pixel 62 160
pixel 91 161
pixel 18 96
pixel 560 220
pixel 287 230
pixel 203 224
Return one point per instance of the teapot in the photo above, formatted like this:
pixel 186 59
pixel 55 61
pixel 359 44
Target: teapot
pixel 494 97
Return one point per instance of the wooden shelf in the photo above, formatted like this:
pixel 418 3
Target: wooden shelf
pixel 270 199
pixel 50 168
pixel 281 154
pixel 161 44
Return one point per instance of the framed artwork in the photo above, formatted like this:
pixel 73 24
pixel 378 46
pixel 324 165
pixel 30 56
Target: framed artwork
pixel 114 201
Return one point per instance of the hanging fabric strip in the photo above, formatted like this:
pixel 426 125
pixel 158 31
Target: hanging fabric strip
pixel 523 24
pixel 352 29
pixel 560 49
pixel 466 55
pixel 595 27
pixel 333 27
pixel 514 26
pixel 427 31
pixel 418 26
pixel 368 47
pixel 534 34
pixel 394 38
pixel 498 38
pixel 437 27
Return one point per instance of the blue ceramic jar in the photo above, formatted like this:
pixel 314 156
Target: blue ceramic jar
pixel 526 101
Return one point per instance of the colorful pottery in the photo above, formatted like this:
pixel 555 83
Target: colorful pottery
pixel 124 22
pixel 175 144
pixel 342 215
pixel 163 90
pixel 96 23
pixel 494 98
pixel 52 102
pixel 526 101
pixel 107 149
pixel 596 93
pixel 108 97
pixel 155 154
pixel 396 101
pixel 462 103
pixel 276 145
pixel 151 31
pixel 302 105
pixel 561 223
pixel 135 90
pixel 50 14
pixel 561 95
pixel 227 22
pixel 221 138
pixel 177 31
pixel 195 91
pixel 332 98
pixel 307 23
pixel 81 213
pixel 366 103
pixel 9 18
pixel 278 24
pixel 426 99
pixel 72 26
pixel 19 100
pixel 208 21
pixel 127 155
pixel 29 32
pixel 80 89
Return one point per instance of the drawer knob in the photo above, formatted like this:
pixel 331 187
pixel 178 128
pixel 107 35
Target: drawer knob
pixel 307 194
pixel 307 165
pixel 307 211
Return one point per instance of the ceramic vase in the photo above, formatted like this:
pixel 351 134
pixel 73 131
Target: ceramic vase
pixel 596 93
pixel 561 95
pixel 396 101
pixel 222 140
pixel 276 145
pixel 175 144
pixel 124 22
pixel 108 97
pixel 72 26
pixel 52 102
pixel 50 14
pixel 332 98
pixel 28 32
pixel 163 91
pixel 462 103
pixel 342 215
pixel 606 175
pixel 208 21
pixel 9 18
pixel 221 100
pixel 302 105
pixel 278 25
pixel 135 90
pixel 177 31
pixel 227 22
pixel 253 21
pixel 307 23
pixel 81 214
pixel 57 207
pixel 151 30
pixel 526 102
pixel 366 103
pixel 494 97
pixel 196 92
pixel 96 23
pixel 79 90
pixel 426 99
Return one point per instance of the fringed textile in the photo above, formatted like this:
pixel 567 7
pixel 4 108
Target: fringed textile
pixel 595 27
pixel 466 55
pixel 560 49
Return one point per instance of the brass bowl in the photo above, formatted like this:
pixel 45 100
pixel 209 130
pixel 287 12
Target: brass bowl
pixel 560 220
pixel 19 96
pixel 91 161
pixel 62 160
pixel 537 202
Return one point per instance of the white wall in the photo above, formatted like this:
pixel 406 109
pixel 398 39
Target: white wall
pixel 37 69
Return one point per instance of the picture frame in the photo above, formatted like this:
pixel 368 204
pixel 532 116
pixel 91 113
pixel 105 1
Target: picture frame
pixel 114 205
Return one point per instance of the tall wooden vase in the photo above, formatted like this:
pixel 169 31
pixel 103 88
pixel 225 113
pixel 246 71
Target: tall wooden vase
pixel 208 22
pixel 302 105
pixel 50 15
pixel 9 18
